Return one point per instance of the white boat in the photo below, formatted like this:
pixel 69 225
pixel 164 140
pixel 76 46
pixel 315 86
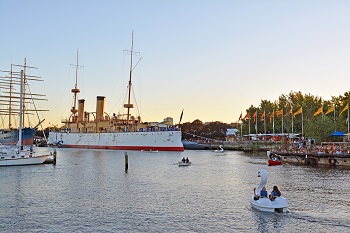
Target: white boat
pixel 99 130
pixel 220 150
pixel 184 163
pixel 11 156
pixel 17 155
pixel 279 204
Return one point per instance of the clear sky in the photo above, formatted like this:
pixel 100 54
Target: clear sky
pixel 211 58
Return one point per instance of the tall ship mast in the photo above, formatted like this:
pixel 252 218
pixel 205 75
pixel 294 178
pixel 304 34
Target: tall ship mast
pixel 9 99
pixel 100 130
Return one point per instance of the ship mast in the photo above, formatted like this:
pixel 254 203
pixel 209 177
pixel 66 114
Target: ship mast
pixel 130 105
pixel 10 106
pixel 75 90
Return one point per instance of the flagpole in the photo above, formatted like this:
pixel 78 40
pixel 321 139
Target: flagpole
pixel 292 122
pixel 241 130
pixel 273 122
pixel 302 122
pixel 249 126
pixel 265 124
pixel 348 119
pixel 256 123
pixel 282 121
pixel 335 129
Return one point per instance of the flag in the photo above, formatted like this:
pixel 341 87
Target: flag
pixel 330 110
pixel 279 113
pixel 182 113
pixel 262 116
pixel 299 111
pixel 318 111
pixel 346 108
pixel 271 116
pixel 240 117
pixel 246 116
pixel 254 116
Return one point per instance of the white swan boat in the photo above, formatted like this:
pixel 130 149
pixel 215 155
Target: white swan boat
pixel 220 150
pixel 279 204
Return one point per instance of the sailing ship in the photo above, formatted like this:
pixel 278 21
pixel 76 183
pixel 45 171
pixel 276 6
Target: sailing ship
pixel 98 130
pixel 18 155
pixel 9 109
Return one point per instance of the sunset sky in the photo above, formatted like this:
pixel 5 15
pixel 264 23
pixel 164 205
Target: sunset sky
pixel 211 58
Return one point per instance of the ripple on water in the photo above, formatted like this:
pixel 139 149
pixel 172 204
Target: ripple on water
pixel 89 191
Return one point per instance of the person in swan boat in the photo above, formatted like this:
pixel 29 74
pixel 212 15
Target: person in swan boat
pixel 263 193
pixel 275 193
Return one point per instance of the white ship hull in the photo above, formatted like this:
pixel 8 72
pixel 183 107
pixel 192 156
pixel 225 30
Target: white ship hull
pixel 160 140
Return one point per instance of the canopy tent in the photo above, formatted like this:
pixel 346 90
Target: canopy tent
pixel 338 134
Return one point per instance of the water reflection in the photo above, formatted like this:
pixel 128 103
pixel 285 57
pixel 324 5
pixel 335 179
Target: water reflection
pixel 89 191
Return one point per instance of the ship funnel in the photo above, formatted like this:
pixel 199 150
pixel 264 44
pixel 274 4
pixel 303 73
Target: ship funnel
pixel 81 110
pixel 100 107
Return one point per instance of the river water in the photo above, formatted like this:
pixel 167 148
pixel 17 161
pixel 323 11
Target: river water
pixel 89 191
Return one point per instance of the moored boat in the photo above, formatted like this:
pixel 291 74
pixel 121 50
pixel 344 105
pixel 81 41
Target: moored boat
pixel 17 155
pixel 98 130
pixel 189 145
pixel 332 156
pixel 10 136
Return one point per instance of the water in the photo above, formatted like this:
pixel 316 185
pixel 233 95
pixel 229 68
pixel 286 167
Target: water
pixel 89 191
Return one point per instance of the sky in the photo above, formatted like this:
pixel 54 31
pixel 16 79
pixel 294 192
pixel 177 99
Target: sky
pixel 212 59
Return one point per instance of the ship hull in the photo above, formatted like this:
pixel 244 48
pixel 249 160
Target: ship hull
pixel 11 137
pixel 162 140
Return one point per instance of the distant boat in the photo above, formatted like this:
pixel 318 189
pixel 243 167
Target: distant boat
pixel 220 150
pixel 188 145
pixel 99 130
pixel 18 155
pixel 185 164
pixel 273 159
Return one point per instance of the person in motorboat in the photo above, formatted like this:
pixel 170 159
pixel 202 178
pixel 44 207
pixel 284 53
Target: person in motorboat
pixel 263 193
pixel 187 160
pixel 275 193
pixel 183 160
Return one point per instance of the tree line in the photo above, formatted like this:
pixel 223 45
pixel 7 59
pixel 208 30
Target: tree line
pixel 295 113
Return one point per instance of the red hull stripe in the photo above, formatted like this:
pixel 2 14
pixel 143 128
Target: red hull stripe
pixel 146 148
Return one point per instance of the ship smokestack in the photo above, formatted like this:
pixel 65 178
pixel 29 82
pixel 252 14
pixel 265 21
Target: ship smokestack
pixel 81 110
pixel 100 107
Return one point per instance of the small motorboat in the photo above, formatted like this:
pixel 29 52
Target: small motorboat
pixel 271 162
pixel 184 164
pixel 220 150
pixel 279 204
pixel 273 159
